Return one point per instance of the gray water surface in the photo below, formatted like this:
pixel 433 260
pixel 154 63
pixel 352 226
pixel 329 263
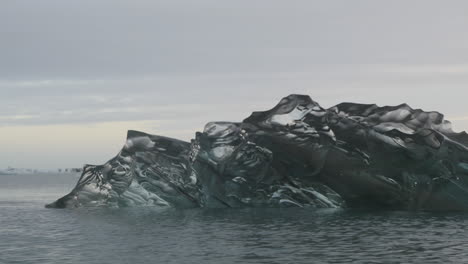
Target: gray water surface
pixel 29 233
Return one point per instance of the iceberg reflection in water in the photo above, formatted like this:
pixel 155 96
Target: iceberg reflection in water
pixel 297 154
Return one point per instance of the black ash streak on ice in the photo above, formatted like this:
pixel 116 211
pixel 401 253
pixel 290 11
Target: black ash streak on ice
pixel 297 154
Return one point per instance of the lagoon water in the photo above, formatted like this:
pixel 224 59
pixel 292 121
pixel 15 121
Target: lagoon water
pixel 29 233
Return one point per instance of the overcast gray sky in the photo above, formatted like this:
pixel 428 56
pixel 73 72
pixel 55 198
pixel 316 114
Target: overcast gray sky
pixel 75 75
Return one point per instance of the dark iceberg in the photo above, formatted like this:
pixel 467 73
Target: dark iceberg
pixel 297 154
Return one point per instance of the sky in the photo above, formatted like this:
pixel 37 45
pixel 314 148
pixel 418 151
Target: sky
pixel 76 75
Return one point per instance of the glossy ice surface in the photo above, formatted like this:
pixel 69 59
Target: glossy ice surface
pixel 297 154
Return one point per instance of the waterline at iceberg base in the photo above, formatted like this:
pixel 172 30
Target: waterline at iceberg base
pixel 297 154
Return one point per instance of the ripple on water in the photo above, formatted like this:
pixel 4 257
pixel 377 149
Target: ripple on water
pixel 30 233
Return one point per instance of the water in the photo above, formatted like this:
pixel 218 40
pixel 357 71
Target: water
pixel 29 233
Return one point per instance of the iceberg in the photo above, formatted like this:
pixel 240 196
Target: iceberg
pixel 297 154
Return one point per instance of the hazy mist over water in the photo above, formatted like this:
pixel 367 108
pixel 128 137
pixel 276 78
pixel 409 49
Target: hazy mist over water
pixel 32 234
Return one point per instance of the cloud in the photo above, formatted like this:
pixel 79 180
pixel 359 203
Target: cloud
pixel 425 69
pixel 109 39
pixel 180 63
pixel 226 96
pixel 458 118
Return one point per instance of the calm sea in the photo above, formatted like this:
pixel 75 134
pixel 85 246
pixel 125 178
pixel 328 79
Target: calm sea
pixel 29 233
